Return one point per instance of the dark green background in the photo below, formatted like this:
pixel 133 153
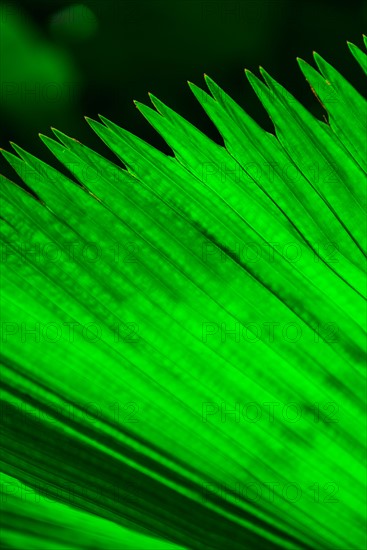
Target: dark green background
pixel 85 63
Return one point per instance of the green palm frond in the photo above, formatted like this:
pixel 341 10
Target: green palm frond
pixel 184 337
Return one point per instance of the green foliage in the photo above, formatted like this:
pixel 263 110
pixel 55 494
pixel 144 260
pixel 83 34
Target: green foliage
pixel 166 294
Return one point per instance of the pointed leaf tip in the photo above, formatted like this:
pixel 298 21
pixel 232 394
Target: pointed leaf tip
pixel 263 72
pixel 249 73
pixel 90 120
pixel 156 102
pixel 268 79
pixel 139 105
pixel 208 80
pixel 105 120
pixel 301 61
pixel 16 147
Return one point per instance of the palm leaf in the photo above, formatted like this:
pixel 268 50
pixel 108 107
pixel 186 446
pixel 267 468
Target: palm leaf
pixel 183 336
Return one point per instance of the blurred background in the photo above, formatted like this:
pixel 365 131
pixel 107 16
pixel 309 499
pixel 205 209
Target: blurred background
pixel 62 60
